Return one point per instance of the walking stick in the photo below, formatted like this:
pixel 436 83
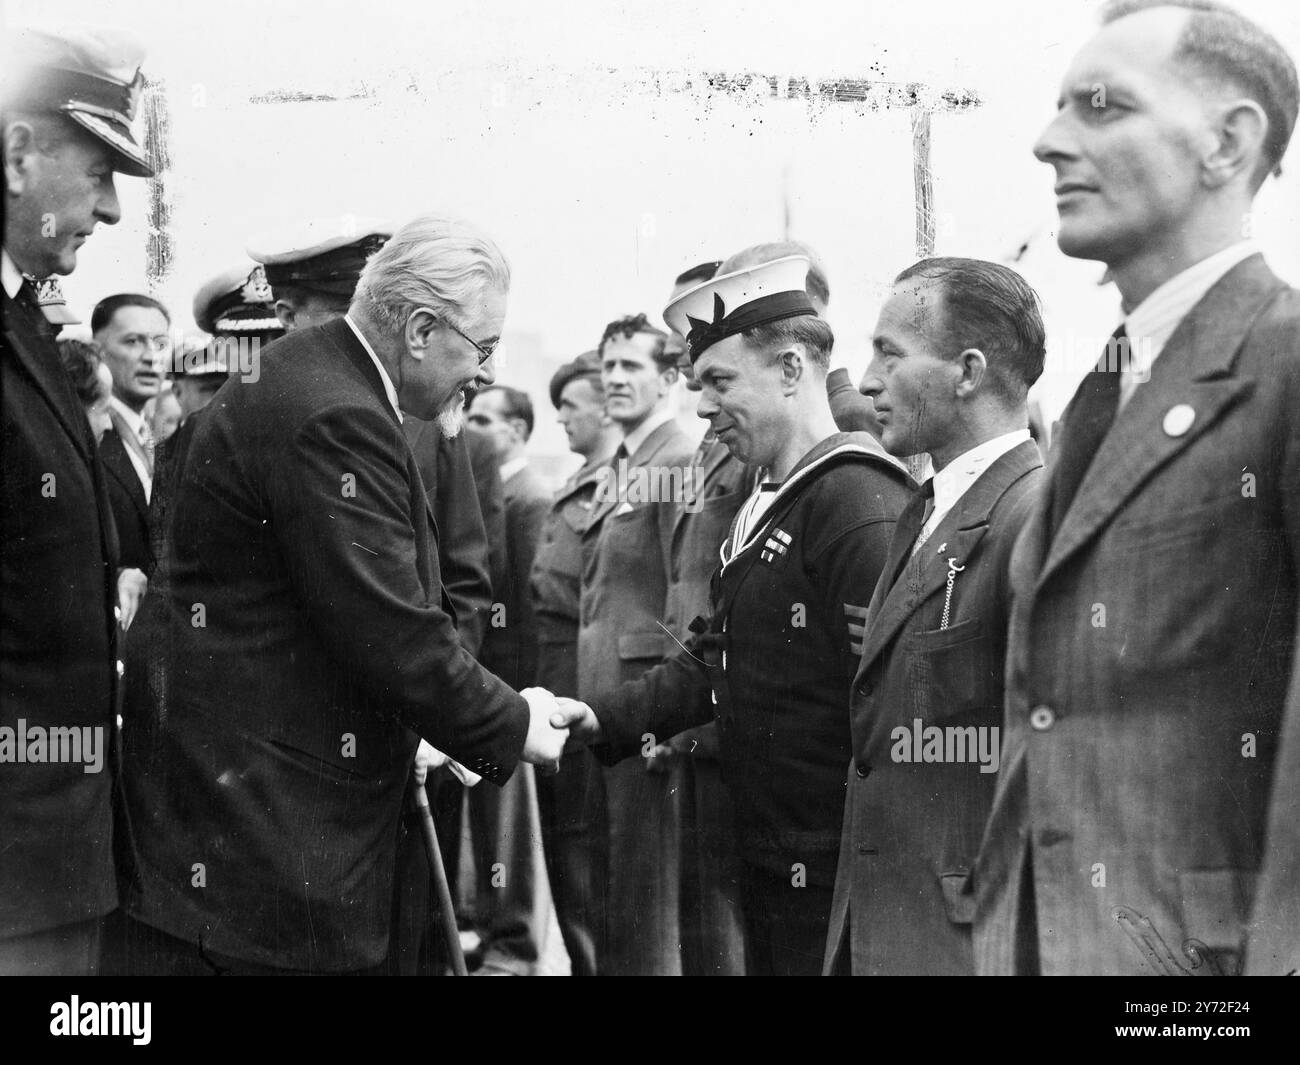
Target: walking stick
pixel 446 915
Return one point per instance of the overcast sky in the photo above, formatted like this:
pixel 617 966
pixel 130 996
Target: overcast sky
pixel 566 130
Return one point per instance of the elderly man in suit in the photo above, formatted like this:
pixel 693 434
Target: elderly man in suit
pixel 65 114
pixel 1154 592
pixel 311 635
pixel 775 657
pixel 957 347
pixel 312 268
pixel 134 333
pixel 621 635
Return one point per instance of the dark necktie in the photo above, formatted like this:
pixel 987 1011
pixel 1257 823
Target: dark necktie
pixel 1086 427
pixel 910 523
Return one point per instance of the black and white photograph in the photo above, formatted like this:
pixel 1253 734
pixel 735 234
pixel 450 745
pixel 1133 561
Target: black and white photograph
pixel 668 488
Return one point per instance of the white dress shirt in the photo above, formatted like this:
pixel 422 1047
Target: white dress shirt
pixel 641 433
pixel 10 275
pixel 1152 322
pixel 134 422
pixel 954 480
pixel 389 390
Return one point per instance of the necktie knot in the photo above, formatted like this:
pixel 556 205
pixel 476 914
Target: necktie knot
pixel 926 494
pixel 147 442
pixel 1088 420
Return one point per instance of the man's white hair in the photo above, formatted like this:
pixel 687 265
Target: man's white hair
pixel 440 263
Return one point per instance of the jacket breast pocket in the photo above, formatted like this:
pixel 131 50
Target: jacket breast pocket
pixel 629 538
pixel 955 670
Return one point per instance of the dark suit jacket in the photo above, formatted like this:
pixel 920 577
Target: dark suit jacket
pixel 510 648
pixel 310 635
pixel 464 497
pixel 58 560
pixel 1151 647
pixel 126 497
pixel 492 502
pixel 169 460
pixel 912 828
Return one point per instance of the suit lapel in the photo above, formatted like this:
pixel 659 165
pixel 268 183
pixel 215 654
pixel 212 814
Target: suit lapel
pixel 51 381
pixel 340 333
pixel 1194 370
pixel 413 436
pixel 958 534
pixel 117 463
pixel 607 494
pixel 643 456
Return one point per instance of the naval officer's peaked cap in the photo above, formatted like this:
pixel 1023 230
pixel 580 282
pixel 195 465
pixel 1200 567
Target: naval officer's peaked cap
pixel 325 254
pixel 92 76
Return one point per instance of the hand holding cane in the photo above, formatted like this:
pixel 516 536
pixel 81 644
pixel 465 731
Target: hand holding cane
pixel 446 915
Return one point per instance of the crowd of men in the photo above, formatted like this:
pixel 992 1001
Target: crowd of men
pixel 770 704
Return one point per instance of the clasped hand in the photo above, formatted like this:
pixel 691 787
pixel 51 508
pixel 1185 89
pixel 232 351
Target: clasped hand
pixel 552 722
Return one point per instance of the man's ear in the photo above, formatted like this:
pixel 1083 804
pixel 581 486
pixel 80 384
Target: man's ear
pixel 973 366
pixel 420 327
pixel 669 377
pixel 285 311
pixel 1239 135
pixel 793 363
pixel 19 145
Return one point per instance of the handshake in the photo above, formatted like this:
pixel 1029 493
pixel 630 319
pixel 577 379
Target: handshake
pixel 553 722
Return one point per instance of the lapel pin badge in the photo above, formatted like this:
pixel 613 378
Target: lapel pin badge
pixel 1179 419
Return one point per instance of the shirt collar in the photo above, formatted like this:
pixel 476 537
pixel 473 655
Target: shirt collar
pixel 1152 322
pixel 132 419
pixel 953 481
pixel 514 466
pixel 11 275
pixel 638 436
pixel 389 390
